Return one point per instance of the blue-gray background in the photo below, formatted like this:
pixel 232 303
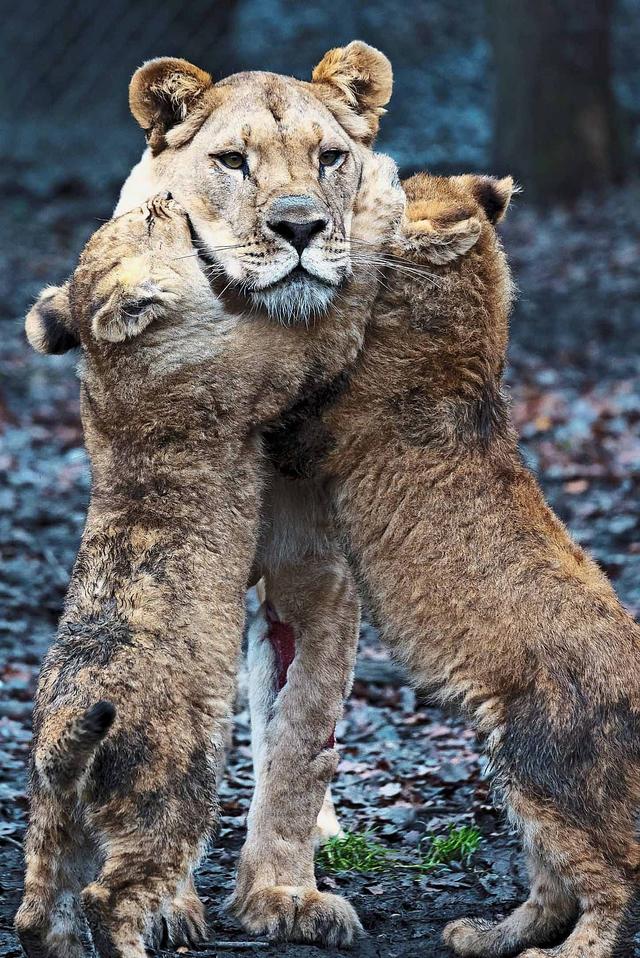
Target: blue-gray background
pixel 65 66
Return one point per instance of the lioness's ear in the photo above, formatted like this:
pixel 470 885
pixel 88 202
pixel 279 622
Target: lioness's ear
pixel 493 195
pixel 441 243
pixel 165 92
pixel 355 82
pixel 48 323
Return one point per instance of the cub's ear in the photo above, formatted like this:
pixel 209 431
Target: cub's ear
pixel 117 325
pixel 164 93
pixel 48 325
pixel 133 304
pixel 355 83
pixel 440 243
pixel 493 195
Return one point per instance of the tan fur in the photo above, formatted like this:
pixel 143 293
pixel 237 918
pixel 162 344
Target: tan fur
pixel 430 494
pixel 473 581
pixel 309 586
pixel 166 92
pixel 281 126
pixel 175 387
pixel 356 79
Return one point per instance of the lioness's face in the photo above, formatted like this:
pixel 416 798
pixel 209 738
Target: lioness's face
pixel 269 182
pixel 268 168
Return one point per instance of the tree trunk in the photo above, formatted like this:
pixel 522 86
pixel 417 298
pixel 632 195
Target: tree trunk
pixel 555 125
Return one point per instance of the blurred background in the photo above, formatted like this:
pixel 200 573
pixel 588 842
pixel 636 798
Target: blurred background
pixel 546 90
pixel 549 90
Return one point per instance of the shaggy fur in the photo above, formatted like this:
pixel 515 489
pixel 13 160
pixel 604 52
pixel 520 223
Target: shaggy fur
pixel 473 581
pixel 476 585
pixel 175 389
pixel 280 126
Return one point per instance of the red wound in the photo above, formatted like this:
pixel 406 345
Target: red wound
pixel 283 643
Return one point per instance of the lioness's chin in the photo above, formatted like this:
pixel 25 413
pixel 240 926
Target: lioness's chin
pixel 295 299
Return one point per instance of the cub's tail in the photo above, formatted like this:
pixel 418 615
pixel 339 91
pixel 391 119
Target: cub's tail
pixel 62 763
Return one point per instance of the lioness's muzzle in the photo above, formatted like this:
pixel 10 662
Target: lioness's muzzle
pixel 297 219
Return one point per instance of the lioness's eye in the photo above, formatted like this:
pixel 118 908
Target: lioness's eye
pixel 331 157
pixel 233 161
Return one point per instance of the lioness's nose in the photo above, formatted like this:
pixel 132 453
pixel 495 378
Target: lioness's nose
pixel 298 234
pixel 297 220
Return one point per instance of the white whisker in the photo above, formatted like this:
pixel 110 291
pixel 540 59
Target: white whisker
pixel 401 268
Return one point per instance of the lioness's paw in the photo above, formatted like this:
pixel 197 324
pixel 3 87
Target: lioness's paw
pixel 467 937
pixel 305 915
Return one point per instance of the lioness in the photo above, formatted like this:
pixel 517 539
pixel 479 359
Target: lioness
pixel 473 581
pixel 267 167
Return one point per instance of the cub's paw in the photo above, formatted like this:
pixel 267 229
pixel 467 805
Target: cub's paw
pixel 304 915
pixel 468 937
pixel 181 922
pixel 437 243
pixel 380 203
pixel 41 937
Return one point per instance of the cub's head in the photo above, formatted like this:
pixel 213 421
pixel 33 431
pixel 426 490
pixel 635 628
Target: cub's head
pixel 137 269
pixel 458 280
pixel 268 168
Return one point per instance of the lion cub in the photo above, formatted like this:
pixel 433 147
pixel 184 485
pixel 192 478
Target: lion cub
pixel 476 584
pixel 134 695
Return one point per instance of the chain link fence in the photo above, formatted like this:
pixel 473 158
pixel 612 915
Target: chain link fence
pixel 65 56
pixel 65 66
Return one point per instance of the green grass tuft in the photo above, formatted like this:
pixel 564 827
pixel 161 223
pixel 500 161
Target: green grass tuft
pixel 354 852
pixel 459 845
pixel 361 853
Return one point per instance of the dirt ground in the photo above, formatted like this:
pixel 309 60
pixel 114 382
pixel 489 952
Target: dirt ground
pixel 407 771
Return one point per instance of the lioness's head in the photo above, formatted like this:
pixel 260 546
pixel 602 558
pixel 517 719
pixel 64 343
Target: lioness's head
pixel 268 168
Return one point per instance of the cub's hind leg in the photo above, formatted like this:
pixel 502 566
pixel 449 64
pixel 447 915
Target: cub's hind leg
pixel 127 907
pixel 49 922
pixel 181 920
pixel 153 825
pixel 599 864
pixel 549 910
pixel 593 879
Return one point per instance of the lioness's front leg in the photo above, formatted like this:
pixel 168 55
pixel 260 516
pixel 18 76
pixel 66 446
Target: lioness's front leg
pixel 301 663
